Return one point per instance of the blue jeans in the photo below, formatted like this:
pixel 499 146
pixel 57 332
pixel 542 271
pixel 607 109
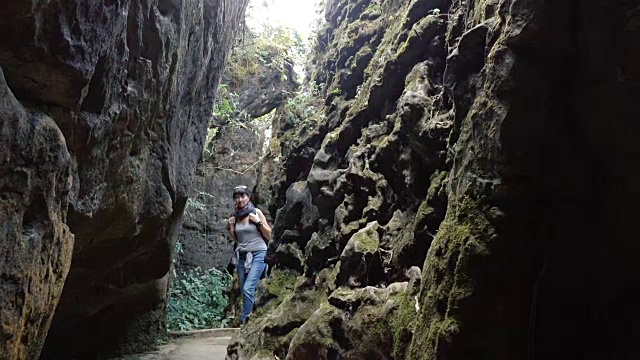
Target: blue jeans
pixel 249 281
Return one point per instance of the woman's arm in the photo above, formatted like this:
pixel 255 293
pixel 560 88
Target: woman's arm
pixel 265 229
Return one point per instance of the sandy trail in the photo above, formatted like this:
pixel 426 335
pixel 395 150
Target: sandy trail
pixel 201 346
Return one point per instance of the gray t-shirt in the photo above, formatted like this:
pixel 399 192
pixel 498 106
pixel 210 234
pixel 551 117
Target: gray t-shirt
pixel 249 238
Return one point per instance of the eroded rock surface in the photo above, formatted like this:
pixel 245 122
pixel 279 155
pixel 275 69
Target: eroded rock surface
pixel 118 97
pixel 35 241
pixel 488 143
pixel 364 186
pixel 528 211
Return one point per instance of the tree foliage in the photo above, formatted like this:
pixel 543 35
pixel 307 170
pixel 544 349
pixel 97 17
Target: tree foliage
pixel 264 45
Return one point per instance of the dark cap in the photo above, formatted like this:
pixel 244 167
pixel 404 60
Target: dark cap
pixel 240 189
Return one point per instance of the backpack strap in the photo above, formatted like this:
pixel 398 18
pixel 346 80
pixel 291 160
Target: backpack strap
pixel 258 227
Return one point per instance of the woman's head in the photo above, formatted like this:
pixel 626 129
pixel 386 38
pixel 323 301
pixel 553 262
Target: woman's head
pixel 241 195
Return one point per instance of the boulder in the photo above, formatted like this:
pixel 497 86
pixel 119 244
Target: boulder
pixel 360 261
pixel 367 323
pixel 297 218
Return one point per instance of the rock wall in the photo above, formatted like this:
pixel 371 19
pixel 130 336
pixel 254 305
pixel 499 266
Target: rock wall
pixel 480 151
pixel 540 193
pixel 35 241
pixel 360 192
pixel 112 102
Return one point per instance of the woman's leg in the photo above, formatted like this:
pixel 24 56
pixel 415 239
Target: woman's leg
pixel 241 274
pixel 250 283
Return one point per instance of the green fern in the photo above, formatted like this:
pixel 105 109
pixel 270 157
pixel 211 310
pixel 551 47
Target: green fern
pixel 198 299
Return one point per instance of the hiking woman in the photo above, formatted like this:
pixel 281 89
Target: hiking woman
pixel 249 228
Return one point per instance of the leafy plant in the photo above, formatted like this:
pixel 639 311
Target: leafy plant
pixel 212 132
pixel 306 104
pixel 198 298
pixel 225 112
pixel 193 208
pixel 226 103
pixel 264 45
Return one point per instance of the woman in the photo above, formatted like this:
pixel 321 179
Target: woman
pixel 249 228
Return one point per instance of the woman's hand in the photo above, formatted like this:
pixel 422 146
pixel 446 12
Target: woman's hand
pixel 254 218
pixel 265 229
pixel 231 220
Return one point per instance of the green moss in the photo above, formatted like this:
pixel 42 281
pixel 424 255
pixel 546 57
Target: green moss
pixel 373 8
pixel 331 278
pixel 371 329
pixel 438 184
pixel 276 287
pixel 449 327
pixel 275 146
pixel 352 227
pixel 423 211
pixel 367 240
pixel 357 33
pixel 374 204
pixel 326 279
pixel 421 31
pixel 402 49
pixel 272 332
pixel 402 325
pixel 265 354
pixel 316 333
pixel 343 295
pixel 383 328
pixel 280 281
pixel 362 54
pixel 448 276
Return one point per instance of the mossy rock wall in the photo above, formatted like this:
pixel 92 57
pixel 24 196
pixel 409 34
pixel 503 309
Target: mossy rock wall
pixel 361 162
pixel 491 141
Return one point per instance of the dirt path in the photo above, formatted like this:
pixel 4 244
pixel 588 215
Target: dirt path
pixel 200 346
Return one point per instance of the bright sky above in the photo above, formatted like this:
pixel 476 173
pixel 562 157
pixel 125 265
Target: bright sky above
pixel 297 14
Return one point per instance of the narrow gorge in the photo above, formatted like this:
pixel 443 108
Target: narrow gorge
pixel 453 179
